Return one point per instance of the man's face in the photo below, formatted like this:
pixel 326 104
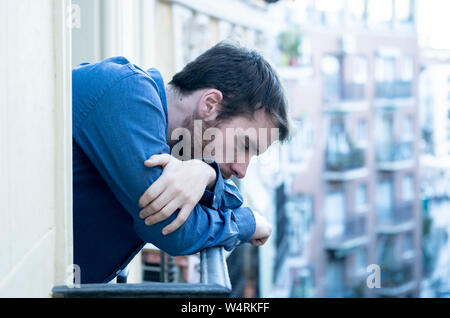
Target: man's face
pixel 234 142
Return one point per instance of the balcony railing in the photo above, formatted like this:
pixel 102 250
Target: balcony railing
pixel 335 92
pixel 341 162
pixel 395 151
pixel 354 234
pixel 394 90
pixel 353 91
pixel 345 290
pixel 397 219
pixel 214 282
pixel 396 281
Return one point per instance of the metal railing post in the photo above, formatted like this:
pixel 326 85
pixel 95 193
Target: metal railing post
pixel 171 269
pixel 213 267
pixel 162 267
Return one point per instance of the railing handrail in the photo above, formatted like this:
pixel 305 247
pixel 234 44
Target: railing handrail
pixel 214 282
pixel 213 267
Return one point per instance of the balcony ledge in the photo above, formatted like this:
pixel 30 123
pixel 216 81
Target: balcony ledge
pixel 347 244
pixel 396 291
pixel 143 290
pixel 214 282
pixel 395 165
pixel 346 175
pixel 395 228
pixel 346 106
pixel 394 102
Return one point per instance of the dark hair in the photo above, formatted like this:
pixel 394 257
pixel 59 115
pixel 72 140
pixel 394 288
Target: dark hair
pixel 247 81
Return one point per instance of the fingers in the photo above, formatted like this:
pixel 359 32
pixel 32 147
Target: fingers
pixel 157 204
pixel 179 220
pixel 152 192
pixel 163 214
pixel 259 241
pixel 158 160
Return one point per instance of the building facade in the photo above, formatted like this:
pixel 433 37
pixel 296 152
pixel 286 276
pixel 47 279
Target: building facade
pixel 348 195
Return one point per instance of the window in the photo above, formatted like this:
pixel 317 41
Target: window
pixel 386 247
pixel 337 143
pixel 403 12
pixel 384 200
pixel 408 188
pixel 299 211
pixel 331 11
pixel 408 128
pixel 409 242
pixel 331 69
pixel 356 9
pixel 355 77
pixel 359 71
pixel 362 132
pixel 384 69
pixel 335 279
pixel 360 261
pixel 361 197
pixel 334 214
pixel 385 131
pixel 302 282
pixel 407 68
pixel 301 143
pixel 379 12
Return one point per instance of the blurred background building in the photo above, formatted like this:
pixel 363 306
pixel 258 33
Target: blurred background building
pixel 364 180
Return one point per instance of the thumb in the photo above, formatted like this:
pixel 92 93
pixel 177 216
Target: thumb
pixel 158 160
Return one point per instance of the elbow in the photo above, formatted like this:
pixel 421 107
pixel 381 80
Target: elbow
pixel 174 244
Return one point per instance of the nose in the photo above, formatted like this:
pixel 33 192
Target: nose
pixel 239 169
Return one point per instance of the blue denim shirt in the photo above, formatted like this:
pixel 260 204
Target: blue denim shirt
pixel 119 121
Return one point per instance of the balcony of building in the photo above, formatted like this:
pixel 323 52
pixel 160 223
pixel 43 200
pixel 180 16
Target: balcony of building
pixel 214 282
pixel 396 90
pixel 344 97
pixel 294 219
pixel 345 164
pixel 344 78
pixel 393 156
pixel 349 234
pixel 342 282
pixel 396 281
pixel 343 160
pixel 396 219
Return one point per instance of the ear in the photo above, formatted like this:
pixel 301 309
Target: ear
pixel 209 104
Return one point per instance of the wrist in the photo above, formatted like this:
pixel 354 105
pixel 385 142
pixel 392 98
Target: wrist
pixel 209 174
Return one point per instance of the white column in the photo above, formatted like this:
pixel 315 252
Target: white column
pixel 147 33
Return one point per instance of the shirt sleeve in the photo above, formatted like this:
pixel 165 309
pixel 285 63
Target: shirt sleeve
pixel 125 127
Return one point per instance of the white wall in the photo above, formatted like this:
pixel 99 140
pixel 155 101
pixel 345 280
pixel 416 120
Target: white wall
pixel 115 27
pixel 35 147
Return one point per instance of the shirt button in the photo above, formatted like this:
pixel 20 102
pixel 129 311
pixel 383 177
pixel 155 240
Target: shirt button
pixel 118 271
pixel 214 198
pixel 238 242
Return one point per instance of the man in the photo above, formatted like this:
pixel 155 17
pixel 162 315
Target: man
pixel 123 115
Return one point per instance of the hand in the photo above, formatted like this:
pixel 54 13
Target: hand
pixel 262 231
pixel 180 186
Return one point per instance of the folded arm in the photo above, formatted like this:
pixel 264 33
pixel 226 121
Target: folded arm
pixel 125 127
